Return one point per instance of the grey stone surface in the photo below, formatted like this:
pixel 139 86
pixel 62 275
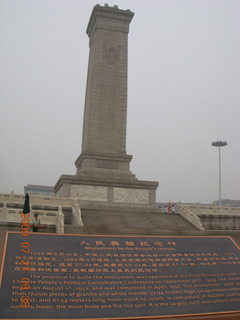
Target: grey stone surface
pixel 104 130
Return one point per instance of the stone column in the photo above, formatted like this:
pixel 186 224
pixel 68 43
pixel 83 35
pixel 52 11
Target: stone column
pixel 105 113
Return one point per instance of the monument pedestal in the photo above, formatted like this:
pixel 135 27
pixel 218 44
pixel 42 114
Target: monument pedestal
pixel 101 186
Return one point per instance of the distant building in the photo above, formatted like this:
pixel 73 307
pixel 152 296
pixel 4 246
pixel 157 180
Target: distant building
pixel 38 190
pixel 227 203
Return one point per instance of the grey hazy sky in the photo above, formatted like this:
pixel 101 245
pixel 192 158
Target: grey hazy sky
pixel 183 93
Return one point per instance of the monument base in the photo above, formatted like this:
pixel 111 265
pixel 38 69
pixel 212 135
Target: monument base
pixel 105 183
pixel 108 189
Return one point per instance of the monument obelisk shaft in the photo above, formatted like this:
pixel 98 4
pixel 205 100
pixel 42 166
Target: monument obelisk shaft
pixel 105 118
pixel 105 114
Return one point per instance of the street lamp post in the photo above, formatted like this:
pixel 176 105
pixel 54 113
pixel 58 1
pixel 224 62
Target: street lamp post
pixel 219 144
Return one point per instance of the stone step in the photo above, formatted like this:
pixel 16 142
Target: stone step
pixel 136 223
pixel 72 229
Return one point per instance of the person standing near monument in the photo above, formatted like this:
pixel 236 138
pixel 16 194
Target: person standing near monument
pixel 35 223
pixel 169 207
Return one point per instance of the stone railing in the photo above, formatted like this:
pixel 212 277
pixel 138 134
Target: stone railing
pixel 208 209
pixel 190 216
pixel 77 217
pixel 206 217
pixel 39 200
pixel 49 209
pixel 60 222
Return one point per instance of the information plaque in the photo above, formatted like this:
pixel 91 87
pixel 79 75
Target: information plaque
pixel 53 276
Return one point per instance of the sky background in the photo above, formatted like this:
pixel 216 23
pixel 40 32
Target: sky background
pixel 183 93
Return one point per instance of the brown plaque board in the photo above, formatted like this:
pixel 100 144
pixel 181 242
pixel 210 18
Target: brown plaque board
pixel 118 277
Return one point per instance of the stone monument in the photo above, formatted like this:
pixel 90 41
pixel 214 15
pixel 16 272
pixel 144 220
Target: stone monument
pixel 103 176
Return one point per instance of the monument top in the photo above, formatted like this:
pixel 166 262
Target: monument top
pixel 115 8
pixel 100 13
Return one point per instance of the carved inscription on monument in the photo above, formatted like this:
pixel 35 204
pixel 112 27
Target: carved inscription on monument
pixel 83 192
pixel 131 195
pixel 82 277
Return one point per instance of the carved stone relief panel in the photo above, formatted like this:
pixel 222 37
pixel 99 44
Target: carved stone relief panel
pixel 112 24
pixel 111 53
pixel 107 164
pixel 82 192
pixel 131 195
